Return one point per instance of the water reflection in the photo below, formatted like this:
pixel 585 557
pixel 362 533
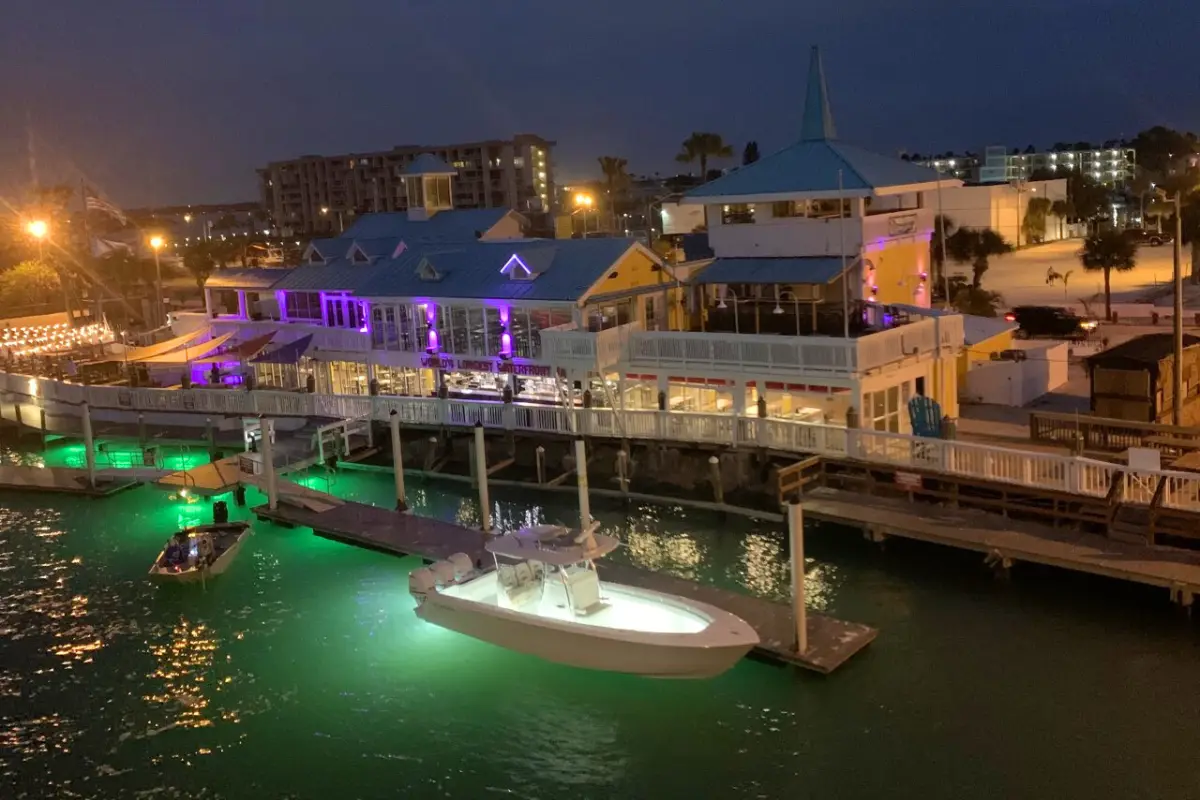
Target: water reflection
pixel 183 665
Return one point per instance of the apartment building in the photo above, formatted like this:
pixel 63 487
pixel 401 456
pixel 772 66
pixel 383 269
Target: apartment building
pixel 323 194
pixel 1111 166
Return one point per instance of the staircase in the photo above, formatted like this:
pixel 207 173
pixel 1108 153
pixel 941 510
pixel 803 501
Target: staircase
pixel 1130 524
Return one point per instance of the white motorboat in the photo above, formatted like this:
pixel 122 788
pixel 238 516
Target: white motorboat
pixel 545 598
pixel 199 553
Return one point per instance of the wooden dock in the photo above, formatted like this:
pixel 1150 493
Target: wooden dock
pixel 1006 541
pixel 63 480
pixel 831 642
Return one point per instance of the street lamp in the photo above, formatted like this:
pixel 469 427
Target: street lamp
pixel 38 229
pixel 584 203
pixel 156 244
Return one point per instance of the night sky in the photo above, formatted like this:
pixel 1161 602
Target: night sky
pixel 165 101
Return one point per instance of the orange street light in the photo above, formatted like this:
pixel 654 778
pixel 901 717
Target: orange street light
pixel 38 228
pixel 156 242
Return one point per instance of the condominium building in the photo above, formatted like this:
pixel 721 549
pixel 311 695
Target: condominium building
pixel 322 194
pixel 1111 166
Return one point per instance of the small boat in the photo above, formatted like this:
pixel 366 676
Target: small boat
pixel 545 598
pixel 209 550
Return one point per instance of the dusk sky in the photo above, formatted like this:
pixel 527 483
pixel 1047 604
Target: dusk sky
pixel 159 101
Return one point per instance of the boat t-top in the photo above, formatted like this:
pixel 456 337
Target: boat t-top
pixel 545 598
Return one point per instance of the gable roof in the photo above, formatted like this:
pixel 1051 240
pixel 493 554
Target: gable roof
pixel 813 165
pixel 329 248
pixel 1146 349
pixel 563 270
pixel 428 164
pixel 459 225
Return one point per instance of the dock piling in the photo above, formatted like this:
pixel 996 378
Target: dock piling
pixel 142 431
pixel 799 611
pixel 42 420
pixel 481 475
pixel 714 468
pixel 540 454
pixel 89 445
pixel 268 463
pixel 397 461
pixel 623 470
pixel 585 511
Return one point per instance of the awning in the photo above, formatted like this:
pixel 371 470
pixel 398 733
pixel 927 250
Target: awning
pixel 818 270
pixel 142 353
pixel 288 354
pixel 189 354
pixel 244 351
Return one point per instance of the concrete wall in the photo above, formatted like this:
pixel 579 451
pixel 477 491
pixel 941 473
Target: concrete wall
pixel 996 206
pixel 1018 383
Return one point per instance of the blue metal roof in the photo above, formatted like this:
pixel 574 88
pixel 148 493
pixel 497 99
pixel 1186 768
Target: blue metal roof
pixel 460 225
pixel 813 163
pixel 429 164
pixel 331 248
pixel 696 247
pixel 378 248
pixel 564 270
pixel 813 166
pixel 820 270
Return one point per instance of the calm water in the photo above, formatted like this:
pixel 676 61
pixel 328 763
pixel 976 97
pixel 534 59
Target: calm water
pixel 303 673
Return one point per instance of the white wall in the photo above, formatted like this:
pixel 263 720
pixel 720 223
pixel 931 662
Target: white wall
pixel 678 218
pixel 995 206
pixel 1018 383
pixel 789 236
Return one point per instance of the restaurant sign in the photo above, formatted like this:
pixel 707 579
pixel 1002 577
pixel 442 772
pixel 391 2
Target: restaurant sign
pixel 484 365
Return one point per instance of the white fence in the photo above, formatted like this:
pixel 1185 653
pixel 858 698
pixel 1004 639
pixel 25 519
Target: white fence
pixel 1035 469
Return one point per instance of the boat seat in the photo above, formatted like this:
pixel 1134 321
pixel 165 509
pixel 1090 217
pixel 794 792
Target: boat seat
pixel 583 587
pixel 524 573
pixel 508 575
pixel 524 589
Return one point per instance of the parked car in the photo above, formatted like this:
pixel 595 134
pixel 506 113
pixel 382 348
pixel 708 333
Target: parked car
pixel 1152 238
pixel 1049 322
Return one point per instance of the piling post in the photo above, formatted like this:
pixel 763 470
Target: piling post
pixel 268 463
pixel 17 413
pixel 540 454
pixel 42 419
pixel 431 453
pixel 623 469
pixel 714 470
pixel 485 509
pixel 141 431
pixel 397 461
pixel 89 445
pixel 210 434
pixel 585 511
pixel 799 612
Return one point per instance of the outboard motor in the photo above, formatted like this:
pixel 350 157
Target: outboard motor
pixel 421 583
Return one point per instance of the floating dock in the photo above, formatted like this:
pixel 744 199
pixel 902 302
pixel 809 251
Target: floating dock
pixel 62 480
pixel 1006 541
pixel 831 642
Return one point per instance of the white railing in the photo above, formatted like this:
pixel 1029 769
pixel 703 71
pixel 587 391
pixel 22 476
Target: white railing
pixel 1035 469
pixel 778 354
pixel 566 344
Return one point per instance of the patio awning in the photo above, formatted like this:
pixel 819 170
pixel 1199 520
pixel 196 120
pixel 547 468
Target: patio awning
pixel 818 270
pixel 189 354
pixel 288 354
pixel 133 354
pixel 242 352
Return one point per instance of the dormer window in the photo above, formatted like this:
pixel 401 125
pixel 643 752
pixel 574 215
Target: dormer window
pixel 426 271
pixel 517 270
pixel 315 258
pixel 359 257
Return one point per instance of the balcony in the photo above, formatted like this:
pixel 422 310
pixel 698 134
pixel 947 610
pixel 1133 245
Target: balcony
pixel 567 345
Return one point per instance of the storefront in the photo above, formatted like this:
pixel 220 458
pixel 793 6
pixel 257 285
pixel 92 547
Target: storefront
pixel 482 378
pixel 420 382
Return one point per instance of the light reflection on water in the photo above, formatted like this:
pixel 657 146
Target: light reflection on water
pixel 304 673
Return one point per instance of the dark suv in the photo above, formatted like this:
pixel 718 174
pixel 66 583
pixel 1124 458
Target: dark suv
pixel 1048 322
pixel 1143 236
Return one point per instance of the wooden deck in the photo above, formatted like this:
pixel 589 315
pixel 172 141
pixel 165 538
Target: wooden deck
pixel 1010 540
pixel 831 642
pixel 62 480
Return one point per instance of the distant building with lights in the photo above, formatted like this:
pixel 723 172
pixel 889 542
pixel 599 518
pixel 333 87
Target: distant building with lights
pixel 1111 166
pixel 323 194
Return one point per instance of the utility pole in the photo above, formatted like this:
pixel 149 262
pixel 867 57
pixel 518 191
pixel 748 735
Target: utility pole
pixel 1177 367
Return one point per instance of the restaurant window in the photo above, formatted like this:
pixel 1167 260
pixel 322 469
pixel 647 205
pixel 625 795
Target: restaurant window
pixel 881 410
pixel 522 343
pixel 457 342
pixel 701 396
pixel 737 214
pixel 390 335
pixel 790 208
pixel 377 328
pixel 494 331
pixel 224 301
pixel 477 330
pixel 303 305
pixel 405 327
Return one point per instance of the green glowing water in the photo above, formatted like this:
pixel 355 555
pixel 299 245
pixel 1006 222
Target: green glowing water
pixel 302 673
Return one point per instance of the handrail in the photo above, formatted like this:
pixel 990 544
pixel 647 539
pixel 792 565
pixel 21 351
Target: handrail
pixel 993 463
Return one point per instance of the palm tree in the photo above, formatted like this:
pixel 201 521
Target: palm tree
pixel 1063 210
pixel 750 153
pixel 975 246
pixel 199 262
pixel 1108 250
pixel 616 180
pixel 701 147
pixel 1034 224
pixel 942 224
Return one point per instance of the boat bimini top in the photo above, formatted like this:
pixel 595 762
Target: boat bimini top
pixel 553 544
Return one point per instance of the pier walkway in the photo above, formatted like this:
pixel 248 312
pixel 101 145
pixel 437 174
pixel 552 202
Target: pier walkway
pixel 1006 541
pixel 831 642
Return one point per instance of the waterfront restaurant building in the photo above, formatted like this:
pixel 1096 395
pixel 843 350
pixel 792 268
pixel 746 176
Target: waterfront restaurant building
pixel 457 303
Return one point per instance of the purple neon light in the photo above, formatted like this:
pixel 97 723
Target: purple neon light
pixel 505 344
pixel 515 259
pixel 433 340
